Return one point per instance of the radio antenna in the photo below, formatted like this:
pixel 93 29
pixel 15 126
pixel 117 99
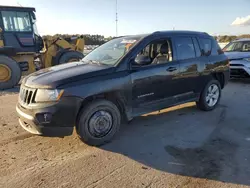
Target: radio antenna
pixel 116 18
pixel 19 4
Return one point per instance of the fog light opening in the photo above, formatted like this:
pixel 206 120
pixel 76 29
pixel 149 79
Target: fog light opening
pixel 44 117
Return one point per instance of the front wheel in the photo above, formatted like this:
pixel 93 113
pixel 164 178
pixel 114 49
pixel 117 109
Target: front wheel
pixel 98 123
pixel 210 96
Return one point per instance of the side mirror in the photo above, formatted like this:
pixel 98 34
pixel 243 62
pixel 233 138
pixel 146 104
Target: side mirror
pixel 142 60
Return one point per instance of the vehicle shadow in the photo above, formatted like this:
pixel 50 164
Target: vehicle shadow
pixel 240 80
pixel 183 141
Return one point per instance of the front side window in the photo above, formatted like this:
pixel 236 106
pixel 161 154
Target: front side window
pixel 16 21
pixel 240 46
pixel 185 48
pixel 111 52
pixel 156 52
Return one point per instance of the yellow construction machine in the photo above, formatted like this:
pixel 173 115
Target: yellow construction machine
pixel 22 49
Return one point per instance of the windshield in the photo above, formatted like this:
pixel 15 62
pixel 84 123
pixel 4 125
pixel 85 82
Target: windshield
pixel 240 46
pixel 16 21
pixel 110 52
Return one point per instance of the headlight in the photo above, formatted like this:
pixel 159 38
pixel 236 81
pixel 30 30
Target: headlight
pixel 48 95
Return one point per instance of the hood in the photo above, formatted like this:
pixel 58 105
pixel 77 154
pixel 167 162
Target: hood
pixel 63 74
pixel 237 55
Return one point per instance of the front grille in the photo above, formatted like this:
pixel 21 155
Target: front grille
pixel 27 95
pixel 240 73
pixel 233 65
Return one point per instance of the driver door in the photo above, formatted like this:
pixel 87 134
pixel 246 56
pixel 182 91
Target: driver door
pixel 153 85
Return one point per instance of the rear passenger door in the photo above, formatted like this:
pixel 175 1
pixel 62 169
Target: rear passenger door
pixel 191 66
pixel 215 57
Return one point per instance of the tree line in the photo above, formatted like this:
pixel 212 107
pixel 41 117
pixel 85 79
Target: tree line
pixel 228 38
pixel 89 39
pixel 100 39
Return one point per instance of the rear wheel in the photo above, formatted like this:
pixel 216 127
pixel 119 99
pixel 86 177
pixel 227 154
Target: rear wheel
pixel 10 72
pixel 210 96
pixel 70 56
pixel 98 123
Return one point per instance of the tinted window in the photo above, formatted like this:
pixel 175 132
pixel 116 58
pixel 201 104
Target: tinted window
pixel 216 49
pixel 197 47
pixel 206 46
pixel 16 21
pixel 185 48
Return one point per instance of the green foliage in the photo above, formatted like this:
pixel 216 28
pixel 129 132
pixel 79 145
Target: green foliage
pixel 227 38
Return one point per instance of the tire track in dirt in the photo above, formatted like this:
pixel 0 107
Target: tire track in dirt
pixel 106 176
pixel 223 114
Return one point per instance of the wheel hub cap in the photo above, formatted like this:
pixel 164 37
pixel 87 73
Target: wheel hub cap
pixel 213 94
pixel 100 123
pixel 5 73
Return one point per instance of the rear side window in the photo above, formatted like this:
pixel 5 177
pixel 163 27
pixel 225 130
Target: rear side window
pixel 197 47
pixel 206 46
pixel 185 48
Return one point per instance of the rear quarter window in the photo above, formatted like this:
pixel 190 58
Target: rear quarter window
pixel 216 49
pixel 206 46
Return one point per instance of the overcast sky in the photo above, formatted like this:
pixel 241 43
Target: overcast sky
pixel 139 16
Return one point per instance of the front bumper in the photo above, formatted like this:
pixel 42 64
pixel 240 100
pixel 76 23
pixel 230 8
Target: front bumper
pixel 60 123
pixel 239 69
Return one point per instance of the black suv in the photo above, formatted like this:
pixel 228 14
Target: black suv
pixel 125 77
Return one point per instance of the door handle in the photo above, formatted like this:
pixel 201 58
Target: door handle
pixel 171 69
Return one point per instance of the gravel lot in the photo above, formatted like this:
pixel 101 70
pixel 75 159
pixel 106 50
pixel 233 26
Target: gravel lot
pixel 177 147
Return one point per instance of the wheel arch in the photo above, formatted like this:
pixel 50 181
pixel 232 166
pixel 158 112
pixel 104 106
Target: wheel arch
pixel 220 77
pixel 114 97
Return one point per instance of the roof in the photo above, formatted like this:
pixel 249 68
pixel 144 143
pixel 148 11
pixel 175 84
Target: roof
pixel 170 32
pixel 243 39
pixel 17 8
pixel 181 32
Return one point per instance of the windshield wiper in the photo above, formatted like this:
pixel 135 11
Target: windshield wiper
pixel 95 62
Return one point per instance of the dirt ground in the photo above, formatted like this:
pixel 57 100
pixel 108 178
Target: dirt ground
pixel 177 147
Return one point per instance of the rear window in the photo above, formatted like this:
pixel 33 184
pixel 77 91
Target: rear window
pixel 185 48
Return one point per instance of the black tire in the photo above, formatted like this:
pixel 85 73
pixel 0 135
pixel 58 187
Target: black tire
pixel 15 70
pixel 202 103
pixel 83 124
pixel 69 56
